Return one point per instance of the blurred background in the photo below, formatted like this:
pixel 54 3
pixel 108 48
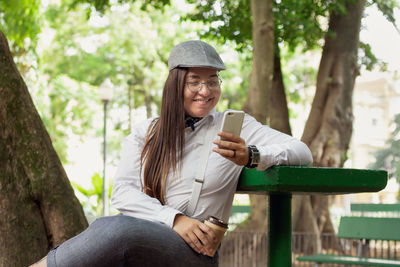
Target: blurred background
pixel 70 51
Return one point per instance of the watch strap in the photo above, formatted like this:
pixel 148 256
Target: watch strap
pixel 254 157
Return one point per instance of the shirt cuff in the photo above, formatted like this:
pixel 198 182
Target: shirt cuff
pixel 167 215
pixel 267 158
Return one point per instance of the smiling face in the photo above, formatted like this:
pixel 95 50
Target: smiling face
pixel 199 104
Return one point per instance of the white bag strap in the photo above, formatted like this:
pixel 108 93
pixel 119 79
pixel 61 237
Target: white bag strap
pixel 200 172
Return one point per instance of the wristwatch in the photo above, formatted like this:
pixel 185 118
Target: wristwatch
pixel 254 157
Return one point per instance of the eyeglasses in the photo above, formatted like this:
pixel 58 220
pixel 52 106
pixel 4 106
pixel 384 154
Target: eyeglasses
pixel 212 85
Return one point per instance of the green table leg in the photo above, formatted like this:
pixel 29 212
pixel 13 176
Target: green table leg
pixel 280 230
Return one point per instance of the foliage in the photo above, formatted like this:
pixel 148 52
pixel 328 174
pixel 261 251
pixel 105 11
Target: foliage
pixel 102 5
pixel 235 80
pixel 296 22
pixel 91 198
pixel 387 8
pixel 367 59
pixel 20 21
pixel 299 77
pixel 66 108
pixel 389 157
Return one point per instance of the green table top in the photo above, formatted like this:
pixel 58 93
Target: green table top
pixel 299 179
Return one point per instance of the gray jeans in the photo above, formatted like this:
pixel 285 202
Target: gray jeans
pixel 126 241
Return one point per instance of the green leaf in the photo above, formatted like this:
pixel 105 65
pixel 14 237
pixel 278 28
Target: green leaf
pixel 84 191
pixel 97 182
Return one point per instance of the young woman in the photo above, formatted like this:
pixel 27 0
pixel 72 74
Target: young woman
pixel 160 165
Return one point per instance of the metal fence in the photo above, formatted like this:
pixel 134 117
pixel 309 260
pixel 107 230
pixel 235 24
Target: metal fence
pixel 249 249
pixel 244 249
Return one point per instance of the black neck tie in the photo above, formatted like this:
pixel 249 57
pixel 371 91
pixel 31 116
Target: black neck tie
pixel 190 121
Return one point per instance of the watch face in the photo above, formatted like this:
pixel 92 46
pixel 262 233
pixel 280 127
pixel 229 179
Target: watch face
pixel 255 154
pixel 256 157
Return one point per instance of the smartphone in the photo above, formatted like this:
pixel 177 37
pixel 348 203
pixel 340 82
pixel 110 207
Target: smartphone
pixel 232 122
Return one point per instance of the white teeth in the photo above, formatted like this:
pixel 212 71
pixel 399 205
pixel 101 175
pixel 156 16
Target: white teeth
pixel 201 100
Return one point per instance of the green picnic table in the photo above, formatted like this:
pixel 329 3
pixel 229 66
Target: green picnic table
pixel 281 182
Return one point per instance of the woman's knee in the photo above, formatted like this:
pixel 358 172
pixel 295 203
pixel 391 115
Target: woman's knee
pixel 123 229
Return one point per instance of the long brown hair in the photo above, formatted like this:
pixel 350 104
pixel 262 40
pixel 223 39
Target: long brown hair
pixel 163 148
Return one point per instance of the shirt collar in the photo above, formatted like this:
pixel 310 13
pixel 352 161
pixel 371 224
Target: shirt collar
pixel 192 123
pixel 212 113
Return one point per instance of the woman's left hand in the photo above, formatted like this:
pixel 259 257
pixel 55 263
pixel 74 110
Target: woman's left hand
pixel 232 147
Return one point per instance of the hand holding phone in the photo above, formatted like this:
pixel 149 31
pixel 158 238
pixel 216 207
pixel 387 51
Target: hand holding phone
pixel 231 146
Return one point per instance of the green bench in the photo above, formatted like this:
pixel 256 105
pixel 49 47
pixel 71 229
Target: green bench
pixel 364 229
pixel 280 182
pixel 240 209
pixel 381 210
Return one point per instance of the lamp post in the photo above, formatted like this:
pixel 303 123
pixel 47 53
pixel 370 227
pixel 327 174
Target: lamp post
pixel 106 94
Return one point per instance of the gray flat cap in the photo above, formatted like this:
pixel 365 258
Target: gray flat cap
pixel 195 54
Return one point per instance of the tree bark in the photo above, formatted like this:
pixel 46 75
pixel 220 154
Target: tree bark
pixel 38 208
pixel 260 85
pixel 329 126
pixel 257 102
pixel 278 113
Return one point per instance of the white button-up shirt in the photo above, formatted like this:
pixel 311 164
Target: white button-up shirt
pixel 221 175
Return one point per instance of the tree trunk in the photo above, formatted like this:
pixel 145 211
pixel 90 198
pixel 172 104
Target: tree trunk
pixel 278 112
pixel 38 208
pixel 329 126
pixel 260 85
